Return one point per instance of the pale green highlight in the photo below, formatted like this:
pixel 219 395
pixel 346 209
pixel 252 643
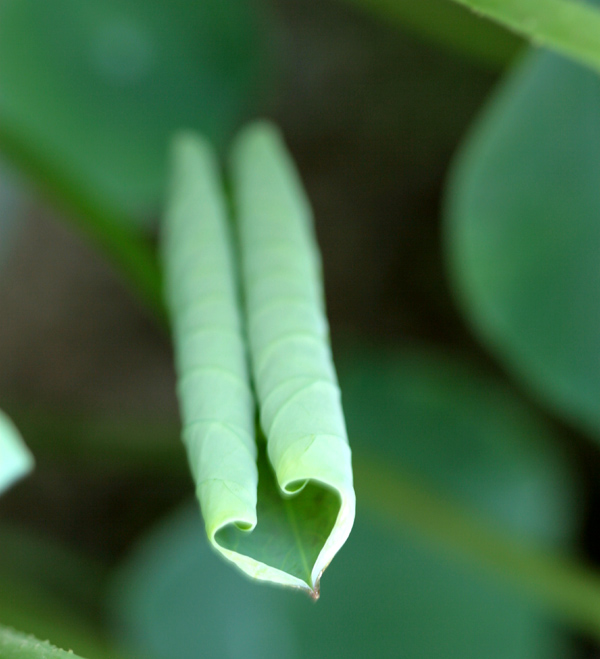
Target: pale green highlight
pixel 216 402
pixel 15 459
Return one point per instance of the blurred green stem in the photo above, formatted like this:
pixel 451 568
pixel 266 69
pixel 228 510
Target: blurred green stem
pixel 569 27
pixel 120 441
pixel 126 248
pixel 455 27
pixel 566 588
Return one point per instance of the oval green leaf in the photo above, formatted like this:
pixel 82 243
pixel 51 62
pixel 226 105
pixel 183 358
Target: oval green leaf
pixel 468 436
pixel 523 232
pixel 92 91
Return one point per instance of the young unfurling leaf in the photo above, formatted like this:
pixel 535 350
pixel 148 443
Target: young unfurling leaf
pixel 216 402
pixel 299 397
pixel 280 511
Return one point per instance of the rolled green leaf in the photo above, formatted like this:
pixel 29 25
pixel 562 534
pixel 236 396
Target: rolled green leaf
pixel 283 528
pixel 216 401
pixel 15 458
pixel 299 397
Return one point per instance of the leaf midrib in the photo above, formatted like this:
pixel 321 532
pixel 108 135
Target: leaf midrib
pixel 294 525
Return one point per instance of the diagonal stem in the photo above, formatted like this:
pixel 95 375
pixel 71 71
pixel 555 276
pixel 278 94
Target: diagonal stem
pixel 565 587
pixel 570 27
pixel 124 246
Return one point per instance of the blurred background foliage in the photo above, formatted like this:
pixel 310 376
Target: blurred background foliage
pixel 464 310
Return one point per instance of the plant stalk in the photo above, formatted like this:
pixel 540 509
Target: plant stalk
pixel 565 587
pixel 569 27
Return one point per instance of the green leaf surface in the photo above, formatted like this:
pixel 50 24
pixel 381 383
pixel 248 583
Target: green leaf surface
pixel 15 645
pixel 271 535
pixel 91 91
pixel 523 232
pixel 15 459
pixel 390 594
pixel 291 531
pixel 292 367
pixel 570 27
pixel 449 25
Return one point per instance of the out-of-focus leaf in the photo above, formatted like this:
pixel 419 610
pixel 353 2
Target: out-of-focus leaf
pixel 15 645
pixel 570 27
pixel 92 91
pixel 15 459
pixel 288 530
pixel 523 232
pixel 390 594
pixel 464 433
pixel 450 25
